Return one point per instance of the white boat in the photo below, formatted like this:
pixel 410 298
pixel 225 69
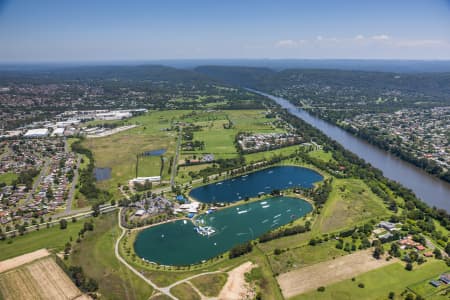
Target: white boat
pixel 264 202
pixel 277 216
pixel 242 212
pixel 205 231
pixel 265 206
pixel 265 221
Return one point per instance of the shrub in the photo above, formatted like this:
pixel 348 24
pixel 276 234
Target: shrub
pixel 409 266
pixel 321 289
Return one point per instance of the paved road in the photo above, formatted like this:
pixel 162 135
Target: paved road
pixel 71 194
pixel 38 181
pixel 164 291
pixel 80 214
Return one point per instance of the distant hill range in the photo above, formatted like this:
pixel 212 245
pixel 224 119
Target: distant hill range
pixel 396 66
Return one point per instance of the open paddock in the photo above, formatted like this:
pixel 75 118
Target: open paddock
pixel 322 274
pixel 41 279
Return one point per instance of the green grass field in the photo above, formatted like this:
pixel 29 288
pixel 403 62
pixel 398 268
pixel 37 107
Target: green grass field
pixel 8 178
pixel 351 202
pixel 322 155
pixel 95 254
pixel 378 283
pixel 184 291
pixel 258 156
pixel 50 238
pixel 426 290
pixel 304 256
pixel 220 141
pixel 210 285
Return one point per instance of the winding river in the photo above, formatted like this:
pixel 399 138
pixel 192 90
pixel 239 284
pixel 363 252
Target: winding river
pixel 430 189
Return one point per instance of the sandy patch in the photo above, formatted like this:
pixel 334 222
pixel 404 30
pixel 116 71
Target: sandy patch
pixel 236 288
pixel 15 262
pixel 325 273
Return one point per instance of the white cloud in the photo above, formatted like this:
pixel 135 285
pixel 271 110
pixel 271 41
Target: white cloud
pixel 381 37
pixel 286 44
pixel 421 43
pixel 363 41
pixel 290 43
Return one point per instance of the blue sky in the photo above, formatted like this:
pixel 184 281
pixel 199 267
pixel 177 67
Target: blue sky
pixel 100 30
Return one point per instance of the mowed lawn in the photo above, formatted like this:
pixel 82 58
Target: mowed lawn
pixel 50 238
pixel 266 155
pixel 351 202
pixel 119 151
pixel 378 283
pixel 8 178
pixel 322 155
pixel 95 254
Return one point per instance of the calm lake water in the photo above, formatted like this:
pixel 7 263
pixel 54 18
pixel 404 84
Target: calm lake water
pixel 255 183
pixel 430 189
pixel 102 173
pixel 157 152
pixel 177 243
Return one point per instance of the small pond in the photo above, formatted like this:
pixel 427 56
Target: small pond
pixel 157 152
pixel 102 173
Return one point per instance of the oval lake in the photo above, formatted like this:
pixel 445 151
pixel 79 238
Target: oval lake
pixel 177 243
pixel 263 181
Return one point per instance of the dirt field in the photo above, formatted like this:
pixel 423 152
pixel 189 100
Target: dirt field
pixel 41 279
pixel 236 287
pixel 328 272
pixel 15 262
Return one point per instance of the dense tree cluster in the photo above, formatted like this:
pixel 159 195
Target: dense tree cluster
pixel 241 249
pixel 284 232
pixel 87 178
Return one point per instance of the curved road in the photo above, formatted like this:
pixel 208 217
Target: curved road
pixel 165 291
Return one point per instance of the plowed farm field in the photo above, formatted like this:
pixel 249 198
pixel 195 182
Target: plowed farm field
pixel 40 279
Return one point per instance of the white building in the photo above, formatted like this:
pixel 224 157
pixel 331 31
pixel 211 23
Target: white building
pixel 113 115
pixel 34 133
pixel 58 131
pixel 143 180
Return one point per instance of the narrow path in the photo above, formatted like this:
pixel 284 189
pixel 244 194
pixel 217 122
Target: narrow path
pixel 175 161
pixel 203 297
pixel 192 277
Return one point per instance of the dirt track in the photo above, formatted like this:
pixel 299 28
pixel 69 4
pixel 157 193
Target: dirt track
pixel 322 274
pixel 236 288
pixel 15 262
